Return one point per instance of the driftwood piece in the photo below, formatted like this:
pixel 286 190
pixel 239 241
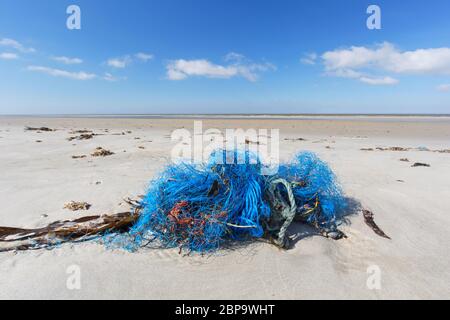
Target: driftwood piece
pixel 59 232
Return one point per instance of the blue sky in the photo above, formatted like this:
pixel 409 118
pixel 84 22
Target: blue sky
pixel 224 56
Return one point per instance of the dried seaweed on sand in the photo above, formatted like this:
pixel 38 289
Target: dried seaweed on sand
pixel 393 149
pixel 39 129
pixel 100 152
pixel 419 164
pixel 80 131
pixel 84 136
pixel 369 219
pixel 77 206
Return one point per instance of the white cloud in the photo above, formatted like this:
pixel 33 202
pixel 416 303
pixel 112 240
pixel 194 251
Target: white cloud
pixel 385 57
pixel 182 69
pixel 144 56
pixel 233 56
pixel 111 78
pixel 67 60
pixel 444 88
pixel 62 73
pixel 364 78
pixel 8 56
pixel 125 61
pixel 119 63
pixel 379 81
pixel 309 58
pixel 11 43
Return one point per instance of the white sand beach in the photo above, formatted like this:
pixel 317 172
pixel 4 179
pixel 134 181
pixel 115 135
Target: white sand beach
pixel 410 204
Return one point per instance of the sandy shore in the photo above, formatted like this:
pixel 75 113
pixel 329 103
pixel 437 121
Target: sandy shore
pixel 411 205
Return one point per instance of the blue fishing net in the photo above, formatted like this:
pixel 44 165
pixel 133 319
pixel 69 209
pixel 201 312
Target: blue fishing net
pixel 315 187
pixel 198 208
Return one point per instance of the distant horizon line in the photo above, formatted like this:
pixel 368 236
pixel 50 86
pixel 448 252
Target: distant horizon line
pixel 223 114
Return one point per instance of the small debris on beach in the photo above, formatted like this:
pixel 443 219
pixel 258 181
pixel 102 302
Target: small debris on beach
pixel 419 164
pixel 369 219
pixel 100 152
pixel 247 141
pixel 335 234
pixel 79 157
pixel 404 160
pixel 38 141
pixel 44 215
pixel 76 206
pixel 393 149
pixel 294 139
pixel 84 136
pixel 80 131
pixel 141 147
pixel 402 181
pixel 423 149
pixel 39 129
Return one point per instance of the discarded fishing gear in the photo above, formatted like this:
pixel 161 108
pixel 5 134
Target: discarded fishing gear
pixel 200 208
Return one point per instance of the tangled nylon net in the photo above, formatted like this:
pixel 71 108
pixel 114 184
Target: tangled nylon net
pixel 199 208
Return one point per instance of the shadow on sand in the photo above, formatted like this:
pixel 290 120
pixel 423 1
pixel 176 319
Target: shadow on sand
pixel 299 231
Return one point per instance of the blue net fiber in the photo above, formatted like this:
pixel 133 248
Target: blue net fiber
pixel 199 207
